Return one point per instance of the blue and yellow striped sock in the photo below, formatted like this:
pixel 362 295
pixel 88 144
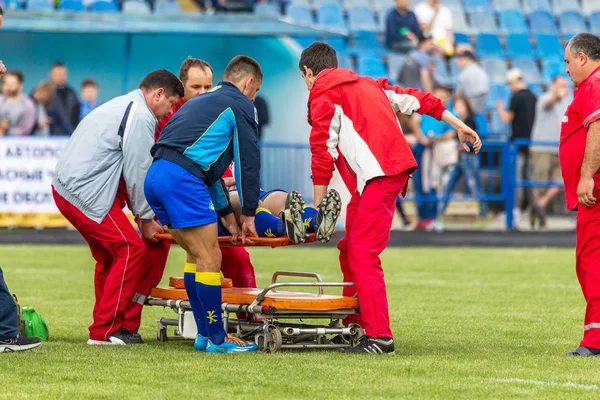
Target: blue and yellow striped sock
pixel 309 216
pixel 189 281
pixel 208 288
pixel 268 225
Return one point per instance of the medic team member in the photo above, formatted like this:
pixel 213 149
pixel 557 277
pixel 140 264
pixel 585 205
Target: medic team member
pixel 354 128
pixel 197 78
pixel 579 154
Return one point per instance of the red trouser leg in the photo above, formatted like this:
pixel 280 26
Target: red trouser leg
pixel 367 238
pixel 343 244
pixel 588 271
pixel 117 237
pixel 155 260
pixel 236 265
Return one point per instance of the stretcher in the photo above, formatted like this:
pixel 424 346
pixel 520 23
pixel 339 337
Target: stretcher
pixel 273 317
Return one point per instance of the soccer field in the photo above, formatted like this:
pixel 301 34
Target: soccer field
pixel 468 323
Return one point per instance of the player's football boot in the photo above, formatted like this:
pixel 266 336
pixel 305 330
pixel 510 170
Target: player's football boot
pixel 292 217
pixel 369 345
pixel 327 215
pixel 230 345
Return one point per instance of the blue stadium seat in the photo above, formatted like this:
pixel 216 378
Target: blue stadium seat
pixel 372 66
pixel 366 43
pixel 300 14
pixel 561 6
pixel 40 5
pixel 355 3
pixel 551 68
pixel 542 22
pixel 461 38
pixel 536 89
pixel 13 5
pixel 382 13
pixel 549 47
pixel 472 5
pixel 536 5
pixel 488 45
pixel 305 41
pixel 361 18
pixel 267 9
pixel 345 62
pixel 104 7
pixel 136 7
pixel 459 23
pixel 395 64
pixel 518 45
pixel 304 3
pixel 595 22
pixel 481 124
pixel 571 23
pixel 167 8
pixel 71 5
pixel 530 71
pixel 513 21
pixel 483 21
pixel 330 15
pixel 500 5
pixel 590 6
pixel 497 127
pixel 339 44
pixel 495 68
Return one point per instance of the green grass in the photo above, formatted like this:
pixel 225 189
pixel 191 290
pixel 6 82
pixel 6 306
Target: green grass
pixel 468 323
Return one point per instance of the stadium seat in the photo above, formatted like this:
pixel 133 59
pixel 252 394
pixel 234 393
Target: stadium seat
pixel 304 3
pixel 459 23
pixel 71 5
pixel 590 6
pixel 300 14
pixel 542 22
pixel 481 124
pixel 382 14
pixel 530 6
pixel 561 6
pixel 395 64
pixel 536 89
pixel 473 5
pixel 167 8
pixel 13 5
pixel 361 18
pixel 40 5
pixel 595 23
pixel 452 3
pixel 551 68
pixel 571 23
pixel 530 70
pixel 267 9
pixel 330 15
pixel 345 62
pixel 500 5
pixel 497 127
pixel 356 3
pixel 549 47
pixel 339 44
pixel 305 41
pixel 488 45
pixel 136 7
pixel 461 38
pixel 366 43
pixel 104 7
pixel 512 21
pixel 483 21
pixel 518 45
pixel 372 66
pixel 495 68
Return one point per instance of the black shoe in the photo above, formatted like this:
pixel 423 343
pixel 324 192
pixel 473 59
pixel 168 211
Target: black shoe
pixel 340 339
pixel 19 343
pixel 372 346
pixel 126 337
pixel 136 338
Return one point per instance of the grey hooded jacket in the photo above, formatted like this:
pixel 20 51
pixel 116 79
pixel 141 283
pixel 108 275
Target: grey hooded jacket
pixel 113 141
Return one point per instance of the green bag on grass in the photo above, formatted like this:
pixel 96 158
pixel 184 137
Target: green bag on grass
pixel 35 325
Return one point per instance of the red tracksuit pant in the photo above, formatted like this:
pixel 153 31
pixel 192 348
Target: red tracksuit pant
pixel 588 271
pixel 126 265
pixel 368 222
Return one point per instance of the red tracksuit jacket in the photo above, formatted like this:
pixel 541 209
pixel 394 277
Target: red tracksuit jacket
pixel 354 127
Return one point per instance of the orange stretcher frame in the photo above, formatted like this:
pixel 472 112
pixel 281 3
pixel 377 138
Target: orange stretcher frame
pixel 256 241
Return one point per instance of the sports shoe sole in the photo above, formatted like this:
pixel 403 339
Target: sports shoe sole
pixel 327 215
pixel 112 341
pixel 11 348
pixel 292 217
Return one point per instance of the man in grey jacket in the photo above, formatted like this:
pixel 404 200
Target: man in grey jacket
pixel 102 168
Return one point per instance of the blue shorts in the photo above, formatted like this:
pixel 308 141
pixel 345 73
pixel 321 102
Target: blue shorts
pixel 179 199
pixel 265 193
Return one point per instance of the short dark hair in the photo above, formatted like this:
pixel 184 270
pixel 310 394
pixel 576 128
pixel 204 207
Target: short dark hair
pixel 442 87
pixel 317 57
pixel 89 82
pixel 58 64
pixel 161 78
pixel 16 74
pixel 1 11
pixel 240 67
pixel 587 44
pixel 192 62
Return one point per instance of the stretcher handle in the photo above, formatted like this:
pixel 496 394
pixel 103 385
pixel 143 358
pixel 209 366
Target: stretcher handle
pixel 261 296
pixel 298 274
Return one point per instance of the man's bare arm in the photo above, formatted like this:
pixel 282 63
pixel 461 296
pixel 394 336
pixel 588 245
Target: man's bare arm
pixel 591 158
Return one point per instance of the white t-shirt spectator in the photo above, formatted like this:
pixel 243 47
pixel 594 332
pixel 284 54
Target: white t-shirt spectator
pixel 442 23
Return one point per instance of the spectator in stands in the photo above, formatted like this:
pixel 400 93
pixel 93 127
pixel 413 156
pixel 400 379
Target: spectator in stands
pixel 520 115
pixel 46 114
pixel 436 19
pixel 419 68
pixel 549 111
pixel 64 99
pixel 17 111
pixel 473 82
pixel 89 94
pixel 402 30
pixel 262 110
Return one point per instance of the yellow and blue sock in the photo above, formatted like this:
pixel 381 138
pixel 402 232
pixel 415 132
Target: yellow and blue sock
pixel 268 225
pixel 189 281
pixel 208 288
pixel 309 216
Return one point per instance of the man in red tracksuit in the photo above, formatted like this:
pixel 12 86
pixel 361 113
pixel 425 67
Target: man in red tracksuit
pixel 579 154
pixel 354 128
pixel 197 77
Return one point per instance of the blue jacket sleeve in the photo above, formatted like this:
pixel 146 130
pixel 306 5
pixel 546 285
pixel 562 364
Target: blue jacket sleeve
pixel 247 157
pixel 220 198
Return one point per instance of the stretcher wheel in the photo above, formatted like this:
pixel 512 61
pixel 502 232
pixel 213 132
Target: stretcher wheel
pixel 356 332
pixel 161 334
pixel 273 339
pixel 259 339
